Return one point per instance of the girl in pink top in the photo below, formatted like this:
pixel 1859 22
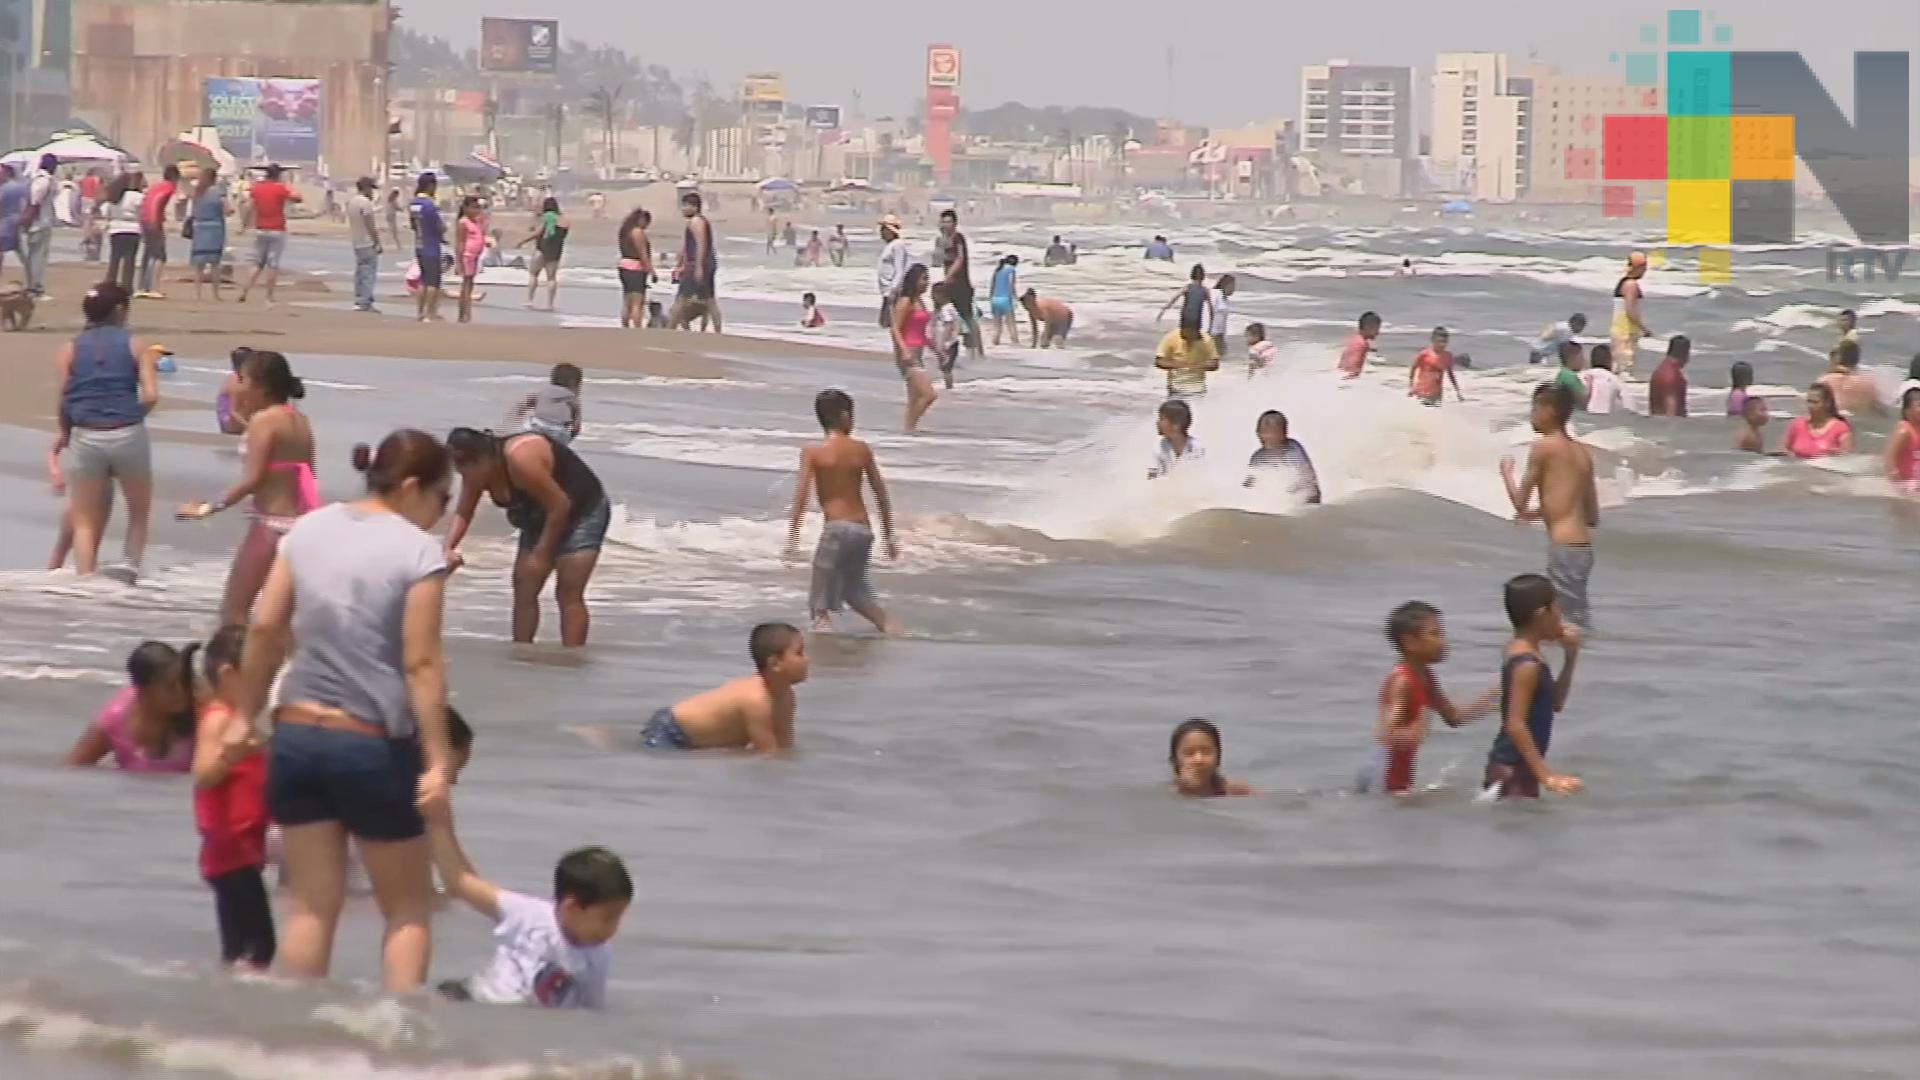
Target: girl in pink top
pixel 147 727
pixel 470 244
pixel 1823 432
pixel 1903 446
pixel 910 344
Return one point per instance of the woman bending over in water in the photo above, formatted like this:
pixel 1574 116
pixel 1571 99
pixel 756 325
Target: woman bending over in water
pixel 278 473
pixel 1194 753
pixel 148 726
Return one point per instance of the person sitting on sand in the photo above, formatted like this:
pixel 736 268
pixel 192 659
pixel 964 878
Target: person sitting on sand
pixel 1195 753
pixel 754 712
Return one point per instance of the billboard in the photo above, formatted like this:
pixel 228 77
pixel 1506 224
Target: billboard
pixel 527 45
pixel 943 66
pixel 763 89
pixel 266 120
pixel 823 117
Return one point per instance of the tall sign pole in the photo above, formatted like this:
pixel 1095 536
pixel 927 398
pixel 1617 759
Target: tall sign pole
pixel 943 104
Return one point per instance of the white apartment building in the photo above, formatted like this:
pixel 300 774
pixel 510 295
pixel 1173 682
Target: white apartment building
pixel 1356 122
pixel 1482 121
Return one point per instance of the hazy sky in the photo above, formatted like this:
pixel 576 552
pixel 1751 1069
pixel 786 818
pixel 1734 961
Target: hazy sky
pixel 1234 60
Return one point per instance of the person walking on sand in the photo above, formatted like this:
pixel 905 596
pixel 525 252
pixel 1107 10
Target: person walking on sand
pixel 890 272
pixel 364 229
pixel 108 384
pixel 429 240
pixel 207 231
pixel 122 201
pixel 549 240
pixel 393 209
pixel 556 502
pixel 834 471
pixel 1628 326
pixel 1560 471
pixel 270 200
pixel 361 744
pixel 956 257
pixel 636 267
pixel 910 340
pixel 837 245
pixel 37 219
pixel 469 245
pixel 277 472
pixel 698 264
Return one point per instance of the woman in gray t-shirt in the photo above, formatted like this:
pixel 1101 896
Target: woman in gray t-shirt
pixel 360 738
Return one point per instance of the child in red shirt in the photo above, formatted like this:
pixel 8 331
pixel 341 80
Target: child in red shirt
pixel 230 808
pixel 1410 690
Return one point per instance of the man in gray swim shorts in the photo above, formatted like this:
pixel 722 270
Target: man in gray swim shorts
pixel 835 471
pixel 840 568
pixel 1568 567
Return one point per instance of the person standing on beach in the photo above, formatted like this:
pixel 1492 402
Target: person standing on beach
pixel 108 384
pixel 207 230
pixel 891 271
pixel 1667 389
pixel 469 248
pixel 636 267
pixel 36 226
pixel 1560 470
pixel 270 199
pixel 393 215
pixel 364 228
pixel 360 742
pixel 698 263
pixel 834 471
pixel 957 259
pixel 429 240
pixel 122 202
pixel 1628 326
pixel 910 341
pixel 556 502
pixel 153 232
pixel 837 245
pixel 13 198
pixel 1006 285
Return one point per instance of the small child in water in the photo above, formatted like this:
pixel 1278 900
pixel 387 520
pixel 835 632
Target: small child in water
pixel 1280 451
pixel 811 317
pixel 834 472
pixel 754 712
pixel 230 808
pixel 551 953
pixel 1195 752
pixel 946 332
pixel 1529 695
pixel 1260 351
pixel 1753 416
pixel 554 410
pixel 1177 445
pixel 1409 692
pixel 1740 382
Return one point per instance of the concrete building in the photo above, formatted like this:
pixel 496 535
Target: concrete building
pixel 1481 127
pixel 1357 124
pixel 1568 117
pixel 140 67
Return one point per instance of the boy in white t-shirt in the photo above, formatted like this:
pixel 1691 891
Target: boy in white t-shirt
pixel 1603 386
pixel 947 332
pixel 547 952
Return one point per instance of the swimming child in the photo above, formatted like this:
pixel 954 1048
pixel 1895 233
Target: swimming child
pixel 1410 690
pixel 1740 381
pixel 230 808
pixel 1174 421
pixel 811 317
pixel 551 953
pixel 148 726
pixel 754 712
pixel 1572 361
pixel 1195 752
pixel 1279 451
pixel 1903 446
pixel 1560 469
pixel 1529 694
pixel 1435 362
pixel 554 409
pixel 1260 351
pixel 230 421
pixel 833 472
pixel 1604 390
pixel 1353 355
pixel 1754 416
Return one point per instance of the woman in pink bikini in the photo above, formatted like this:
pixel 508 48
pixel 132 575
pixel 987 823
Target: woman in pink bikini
pixel 910 320
pixel 469 246
pixel 1823 432
pixel 1903 446
pixel 278 474
pixel 147 727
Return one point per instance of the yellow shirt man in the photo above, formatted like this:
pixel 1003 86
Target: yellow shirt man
pixel 1186 360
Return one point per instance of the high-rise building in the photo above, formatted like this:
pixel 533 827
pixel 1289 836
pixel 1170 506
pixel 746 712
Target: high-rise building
pixel 1481 126
pixel 1569 116
pixel 1357 121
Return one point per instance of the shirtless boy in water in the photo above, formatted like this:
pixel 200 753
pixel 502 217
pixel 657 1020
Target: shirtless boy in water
pixel 754 712
pixel 1561 471
pixel 835 469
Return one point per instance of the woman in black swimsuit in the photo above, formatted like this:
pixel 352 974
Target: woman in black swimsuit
pixel 558 505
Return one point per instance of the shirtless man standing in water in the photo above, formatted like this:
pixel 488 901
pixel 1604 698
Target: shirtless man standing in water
pixel 836 468
pixel 1561 470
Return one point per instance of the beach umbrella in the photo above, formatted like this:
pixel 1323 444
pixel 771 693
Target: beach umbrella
pixel 74 147
pixel 778 184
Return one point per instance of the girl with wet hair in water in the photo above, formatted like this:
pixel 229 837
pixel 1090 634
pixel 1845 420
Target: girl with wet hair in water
pixel 1195 753
pixel 148 726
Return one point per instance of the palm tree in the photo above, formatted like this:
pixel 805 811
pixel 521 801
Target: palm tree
pixel 603 104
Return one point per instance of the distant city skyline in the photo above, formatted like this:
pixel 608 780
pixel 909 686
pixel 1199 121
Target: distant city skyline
pixel 1240 62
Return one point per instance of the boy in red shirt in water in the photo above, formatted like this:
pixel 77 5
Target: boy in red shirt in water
pixel 1411 689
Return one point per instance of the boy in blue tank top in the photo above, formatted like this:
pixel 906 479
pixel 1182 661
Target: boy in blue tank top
pixel 1529 694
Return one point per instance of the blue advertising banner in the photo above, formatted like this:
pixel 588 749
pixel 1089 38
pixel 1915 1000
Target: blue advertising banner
pixel 266 120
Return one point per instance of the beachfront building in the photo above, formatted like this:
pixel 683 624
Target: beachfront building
pixel 1569 114
pixel 1356 124
pixel 1481 127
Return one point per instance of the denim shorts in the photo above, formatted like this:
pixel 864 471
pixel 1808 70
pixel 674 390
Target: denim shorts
pixel 587 534
pixel 268 247
pixel 367 784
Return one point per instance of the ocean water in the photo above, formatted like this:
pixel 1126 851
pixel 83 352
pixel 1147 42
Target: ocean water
pixel 973 868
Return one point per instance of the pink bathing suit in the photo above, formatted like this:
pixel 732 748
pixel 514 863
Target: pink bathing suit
pixel 1907 468
pixel 914 334
pixel 130 756
pixel 1802 442
pixel 307 486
